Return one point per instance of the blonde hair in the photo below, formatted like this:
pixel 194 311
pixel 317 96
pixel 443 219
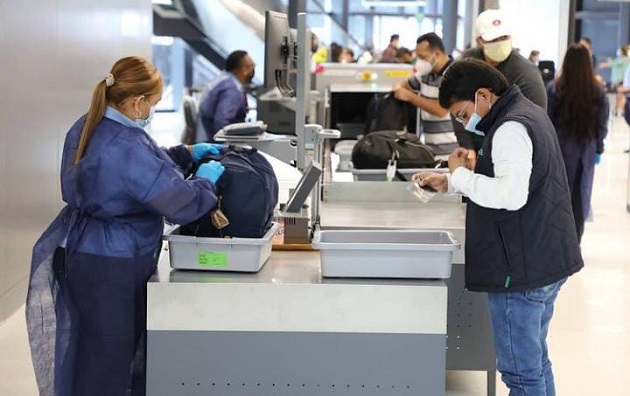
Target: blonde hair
pixel 132 76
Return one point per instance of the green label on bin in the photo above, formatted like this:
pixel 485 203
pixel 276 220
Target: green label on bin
pixel 212 259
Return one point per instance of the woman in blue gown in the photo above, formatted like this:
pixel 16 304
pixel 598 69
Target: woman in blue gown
pixel 86 305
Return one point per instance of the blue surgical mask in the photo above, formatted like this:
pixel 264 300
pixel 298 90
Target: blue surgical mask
pixel 471 125
pixel 144 123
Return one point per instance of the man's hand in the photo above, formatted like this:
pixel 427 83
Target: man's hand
pixel 401 85
pixel 403 94
pixel 472 159
pixel 459 157
pixel 436 181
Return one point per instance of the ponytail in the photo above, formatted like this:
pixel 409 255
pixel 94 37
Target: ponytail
pixel 93 117
pixel 129 77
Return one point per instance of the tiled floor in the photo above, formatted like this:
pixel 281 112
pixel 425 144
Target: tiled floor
pixel 590 334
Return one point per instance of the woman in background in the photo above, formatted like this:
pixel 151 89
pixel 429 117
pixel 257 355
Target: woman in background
pixel 578 107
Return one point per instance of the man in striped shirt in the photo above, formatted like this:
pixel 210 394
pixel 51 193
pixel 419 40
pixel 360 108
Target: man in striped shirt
pixel 437 125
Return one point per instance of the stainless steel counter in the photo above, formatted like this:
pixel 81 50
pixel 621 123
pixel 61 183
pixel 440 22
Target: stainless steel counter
pixel 288 331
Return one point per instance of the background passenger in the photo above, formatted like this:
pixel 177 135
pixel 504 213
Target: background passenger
pixel 389 53
pixel 336 52
pixel 437 125
pixel 625 90
pixel 404 55
pixel 225 99
pixel 347 56
pixel 578 108
pixel 618 67
pixel 494 40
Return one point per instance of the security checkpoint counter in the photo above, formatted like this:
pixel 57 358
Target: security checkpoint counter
pixel 287 331
pixel 362 205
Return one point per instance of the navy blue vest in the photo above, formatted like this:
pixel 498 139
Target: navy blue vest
pixel 534 246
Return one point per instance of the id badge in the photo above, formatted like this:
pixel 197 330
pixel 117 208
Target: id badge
pixel 390 172
pixel 423 193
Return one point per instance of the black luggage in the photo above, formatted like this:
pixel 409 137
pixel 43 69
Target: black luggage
pixel 386 113
pixel 375 150
pixel 248 195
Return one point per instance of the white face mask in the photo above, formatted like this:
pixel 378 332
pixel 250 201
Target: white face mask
pixel 424 67
pixel 499 51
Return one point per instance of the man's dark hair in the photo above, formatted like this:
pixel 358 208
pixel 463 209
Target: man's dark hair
pixel 394 37
pixel 433 40
pixel 403 51
pixel 465 77
pixel 335 52
pixel 235 60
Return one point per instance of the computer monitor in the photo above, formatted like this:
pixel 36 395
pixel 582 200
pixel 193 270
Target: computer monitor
pixel 279 52
pixel 303 188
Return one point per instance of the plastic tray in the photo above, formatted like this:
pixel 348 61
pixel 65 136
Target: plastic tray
pixel 219 254
pixel 386 253
pixel 379 174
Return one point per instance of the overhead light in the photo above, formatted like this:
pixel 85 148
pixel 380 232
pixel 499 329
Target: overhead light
pixel 393 3
pixel 163 2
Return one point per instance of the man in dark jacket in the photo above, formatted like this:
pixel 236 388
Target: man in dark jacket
pixel 521 242
pixel 494 46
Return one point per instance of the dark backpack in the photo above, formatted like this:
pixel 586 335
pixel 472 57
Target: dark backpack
pixel 386 113
pixel 374 151
pixel 248 195
pixel 547 70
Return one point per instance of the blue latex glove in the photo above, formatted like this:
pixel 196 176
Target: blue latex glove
pixel 200 150
pixel 211 170
pixel 598 158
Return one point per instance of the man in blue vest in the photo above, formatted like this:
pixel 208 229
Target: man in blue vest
pixel 225 100
pixel 521 242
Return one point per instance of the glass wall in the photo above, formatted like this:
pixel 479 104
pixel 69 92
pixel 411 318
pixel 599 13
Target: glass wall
pixel 370 27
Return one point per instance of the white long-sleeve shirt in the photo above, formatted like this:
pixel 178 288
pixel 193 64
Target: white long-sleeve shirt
pixel 512 153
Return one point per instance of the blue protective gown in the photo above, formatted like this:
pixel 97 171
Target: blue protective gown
pixel 86 304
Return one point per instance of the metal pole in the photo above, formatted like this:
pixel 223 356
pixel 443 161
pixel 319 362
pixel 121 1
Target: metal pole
pixel 295 7
pixel 449 25
pixel 302 89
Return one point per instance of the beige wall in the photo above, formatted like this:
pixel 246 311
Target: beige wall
pixel 52 53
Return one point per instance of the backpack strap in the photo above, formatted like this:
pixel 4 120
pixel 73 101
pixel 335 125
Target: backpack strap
pixel 400 176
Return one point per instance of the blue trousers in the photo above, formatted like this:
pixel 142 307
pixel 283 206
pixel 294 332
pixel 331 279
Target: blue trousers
pixel 520 322
pixel 100 348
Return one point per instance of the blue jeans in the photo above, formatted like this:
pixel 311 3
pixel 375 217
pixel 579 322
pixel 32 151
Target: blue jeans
pixel 520 322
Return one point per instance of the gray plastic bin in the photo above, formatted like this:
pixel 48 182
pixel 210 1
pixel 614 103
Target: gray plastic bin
pixel 380 175
pixel 386 253
pixel 219 254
